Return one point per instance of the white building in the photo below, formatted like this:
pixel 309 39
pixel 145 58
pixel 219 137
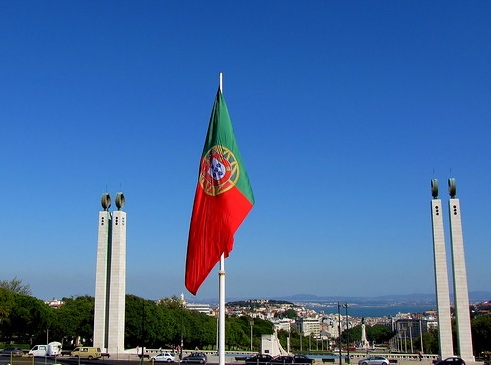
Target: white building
pixel 282 324
pixel 202 308
pixel 309 326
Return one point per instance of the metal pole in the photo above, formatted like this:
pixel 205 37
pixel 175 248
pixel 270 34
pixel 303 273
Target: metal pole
pixel 251 323
pixel 251 336
pixel 421 334
pixel 221 293
pixel 143 330
pixel 221 312
pixel 47 341
pixel 182 338
pixel 347 333
pixel 339 332
pixel 411 336
pixel 399 342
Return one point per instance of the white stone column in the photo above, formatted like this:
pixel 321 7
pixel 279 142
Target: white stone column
pixel 461 293
pixel 101 279
pixel 441 280
pixel 117 290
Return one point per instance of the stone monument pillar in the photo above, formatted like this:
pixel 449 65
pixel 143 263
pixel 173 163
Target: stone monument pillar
pixel 441 275
pixel 464 335
pixel 101 278
pixel 364 344
pixel 110 290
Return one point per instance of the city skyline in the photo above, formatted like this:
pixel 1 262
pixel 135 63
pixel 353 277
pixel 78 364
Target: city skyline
pixel 343 112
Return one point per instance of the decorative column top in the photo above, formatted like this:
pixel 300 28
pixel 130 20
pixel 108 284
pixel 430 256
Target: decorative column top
pixel 452 188
pixel 105 201
pixel 434 188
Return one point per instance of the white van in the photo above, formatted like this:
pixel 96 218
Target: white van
pixel 51 349
pixel 38 350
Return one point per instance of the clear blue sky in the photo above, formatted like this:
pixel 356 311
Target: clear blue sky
pixel 343 111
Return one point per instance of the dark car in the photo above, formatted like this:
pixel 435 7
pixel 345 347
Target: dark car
pixel 197 357
pixel 302 359
pixel 297 359
pixel 259 359
pixel 452 360
pixel 12 351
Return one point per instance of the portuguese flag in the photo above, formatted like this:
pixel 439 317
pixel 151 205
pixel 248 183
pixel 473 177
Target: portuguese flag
pixel 222 201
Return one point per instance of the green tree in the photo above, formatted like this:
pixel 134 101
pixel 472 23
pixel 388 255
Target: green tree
pixel 134 324
pixel 28 319
pixel 430 342
pixel 15 286
pixel 6 303
pixel 354 335
pixel 237 333
pixel 379 333
pixel 171 303
pixel 289 313
pixel 481 333
pixel 74 319
pixel 171 322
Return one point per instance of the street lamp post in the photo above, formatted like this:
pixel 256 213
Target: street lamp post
pixel 251 323
pixel 182 338
pixel 421 334
pixel 347 333
pixel 47 341
pixel 143 331
pixel 339 331
pixel 411 336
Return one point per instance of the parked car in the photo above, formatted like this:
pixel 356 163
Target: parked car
pixel 278 360
pixel 260 359
pixel 87 352
pixel 197 357
pixel 374 360
pixel 302 359
pixel 297 359
pixel 163 356
pixel 12 351
pixel 452 360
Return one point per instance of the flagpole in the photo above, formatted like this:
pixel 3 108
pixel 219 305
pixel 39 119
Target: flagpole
pixel 221 295
pixel 221 313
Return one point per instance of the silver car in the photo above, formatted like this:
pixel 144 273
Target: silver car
pixel 374 360
pixel 163 356
pixel 198 357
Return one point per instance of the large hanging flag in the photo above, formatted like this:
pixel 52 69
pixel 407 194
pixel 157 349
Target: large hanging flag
pixel 222 201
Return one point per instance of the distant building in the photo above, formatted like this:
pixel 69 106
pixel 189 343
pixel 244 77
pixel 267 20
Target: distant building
pixel 483 308
pixel 309 326
pixel 282 324
pixel 329 325
pixel 55 303
pixel 409 329
pixel 202 308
